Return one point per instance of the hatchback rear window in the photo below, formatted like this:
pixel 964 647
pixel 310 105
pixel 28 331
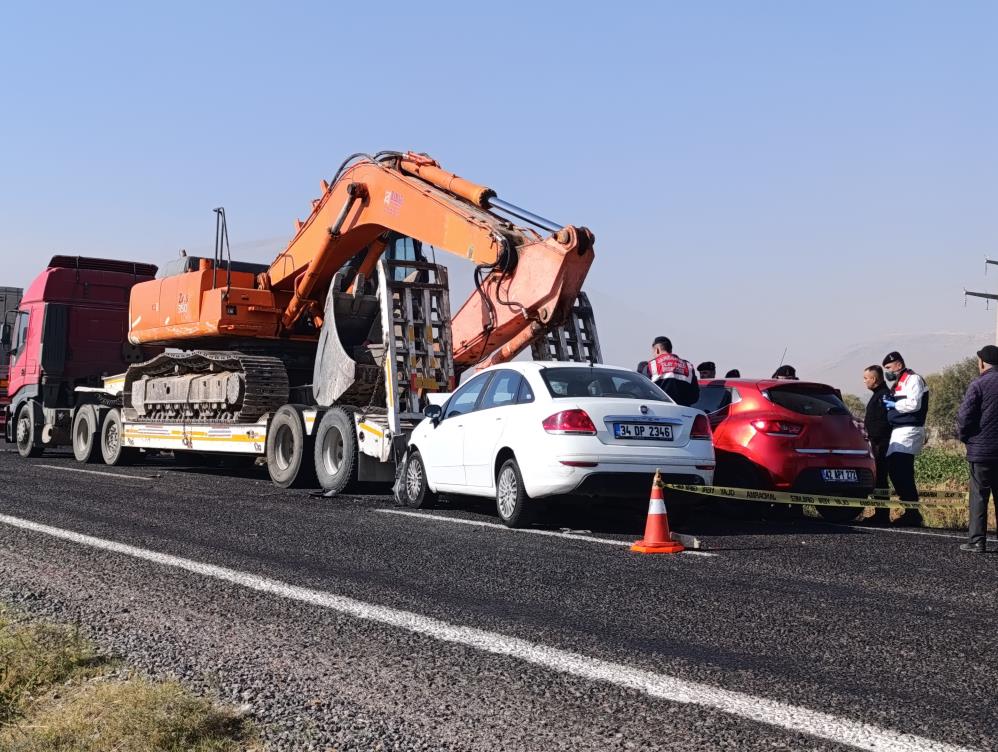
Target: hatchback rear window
pixel 807 400
pixel 600 382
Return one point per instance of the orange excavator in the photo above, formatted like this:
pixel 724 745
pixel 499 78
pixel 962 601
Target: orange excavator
pixel 350 325
pixel 530 285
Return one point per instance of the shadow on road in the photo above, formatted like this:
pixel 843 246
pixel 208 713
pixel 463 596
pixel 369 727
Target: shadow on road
pixel 627 517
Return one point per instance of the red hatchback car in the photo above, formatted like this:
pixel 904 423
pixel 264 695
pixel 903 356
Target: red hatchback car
pixel 788 436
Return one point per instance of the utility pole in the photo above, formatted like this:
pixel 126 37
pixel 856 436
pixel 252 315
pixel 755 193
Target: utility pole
pixel 986 295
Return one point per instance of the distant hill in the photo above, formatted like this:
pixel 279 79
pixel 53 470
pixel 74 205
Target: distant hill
pixel 926 353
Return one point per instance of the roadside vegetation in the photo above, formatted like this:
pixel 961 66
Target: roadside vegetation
pixel 59 694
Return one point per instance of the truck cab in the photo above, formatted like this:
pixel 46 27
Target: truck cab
pixel 10 298
pixel 69 330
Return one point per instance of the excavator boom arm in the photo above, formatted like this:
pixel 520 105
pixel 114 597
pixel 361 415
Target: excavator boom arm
pixel 526 283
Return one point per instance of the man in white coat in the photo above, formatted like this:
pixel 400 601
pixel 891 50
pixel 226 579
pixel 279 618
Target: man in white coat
pixel 907 407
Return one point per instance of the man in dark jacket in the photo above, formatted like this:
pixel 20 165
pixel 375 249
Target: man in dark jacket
pixel 878 429
pixel 977 426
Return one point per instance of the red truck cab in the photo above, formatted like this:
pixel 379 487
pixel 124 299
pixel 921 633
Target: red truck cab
pixel 10 298
pixel 70 331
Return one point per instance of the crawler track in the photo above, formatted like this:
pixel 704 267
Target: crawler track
pixel 264 379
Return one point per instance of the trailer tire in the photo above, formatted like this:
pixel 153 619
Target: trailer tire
pixel 289 450
pixel 336 451
pixel 86 432
pixel 24 432
pixel 112 432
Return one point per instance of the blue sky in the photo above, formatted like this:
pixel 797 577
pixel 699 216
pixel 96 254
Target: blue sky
pixel 758 175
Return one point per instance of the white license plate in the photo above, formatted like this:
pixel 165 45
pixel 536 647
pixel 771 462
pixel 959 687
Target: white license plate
pixel 642 431
pixel 840 476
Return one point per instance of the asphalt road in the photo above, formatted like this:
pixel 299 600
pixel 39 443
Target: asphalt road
pixel 341 624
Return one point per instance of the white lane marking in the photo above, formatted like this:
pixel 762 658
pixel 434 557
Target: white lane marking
pixel 903 532
pixel 497 526
pixel 94 472
pixel 759 709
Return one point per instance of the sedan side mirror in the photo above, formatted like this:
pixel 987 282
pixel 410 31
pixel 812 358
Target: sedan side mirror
pixel 433 412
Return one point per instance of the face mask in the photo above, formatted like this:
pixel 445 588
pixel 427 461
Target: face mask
pixel 892 375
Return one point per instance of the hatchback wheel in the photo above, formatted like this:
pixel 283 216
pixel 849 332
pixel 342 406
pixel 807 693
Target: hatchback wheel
pixel 514 506
pixel 739 474
pixel 838 514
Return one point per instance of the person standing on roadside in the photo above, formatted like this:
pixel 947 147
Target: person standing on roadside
pixel 786 373
pixel 672 374
pixel 977 427
pixel 907 407
pixel 878 430
pixel 707 370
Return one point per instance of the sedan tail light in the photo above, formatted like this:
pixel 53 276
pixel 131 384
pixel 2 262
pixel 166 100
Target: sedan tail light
pixel 777 427
pixel 576 422
pixel 701 428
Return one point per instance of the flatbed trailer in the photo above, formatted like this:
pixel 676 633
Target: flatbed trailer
pixel 379 355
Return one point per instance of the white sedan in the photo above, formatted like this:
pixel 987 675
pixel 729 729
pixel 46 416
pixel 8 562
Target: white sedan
pixel 525 430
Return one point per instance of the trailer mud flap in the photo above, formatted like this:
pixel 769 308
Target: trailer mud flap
pixel 397 487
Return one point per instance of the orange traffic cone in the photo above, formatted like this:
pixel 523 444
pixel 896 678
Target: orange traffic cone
pixel 658 538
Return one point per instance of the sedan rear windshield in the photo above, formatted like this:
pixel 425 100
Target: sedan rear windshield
pixel 600 382
pixel 807 400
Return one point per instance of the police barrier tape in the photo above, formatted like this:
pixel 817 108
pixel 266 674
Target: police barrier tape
pixel 788 497
pixel 882 493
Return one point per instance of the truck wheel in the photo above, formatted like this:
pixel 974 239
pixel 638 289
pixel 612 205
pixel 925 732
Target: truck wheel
pixel 514 506
pixel 416 492
pixel 112 436
pixel 24 432
pixel 336 451
pixel 86 425
pixel 289 452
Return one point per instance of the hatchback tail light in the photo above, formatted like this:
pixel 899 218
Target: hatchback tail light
pixel 576 422
pixel 701 428
pixel 777 427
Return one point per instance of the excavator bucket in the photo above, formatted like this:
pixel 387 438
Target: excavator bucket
pixel 398 336
pixel 350 356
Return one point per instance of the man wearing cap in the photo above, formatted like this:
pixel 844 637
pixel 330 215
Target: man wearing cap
pixel 786 373
pixel 977 426
pixel 707 370
pixel 907 407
